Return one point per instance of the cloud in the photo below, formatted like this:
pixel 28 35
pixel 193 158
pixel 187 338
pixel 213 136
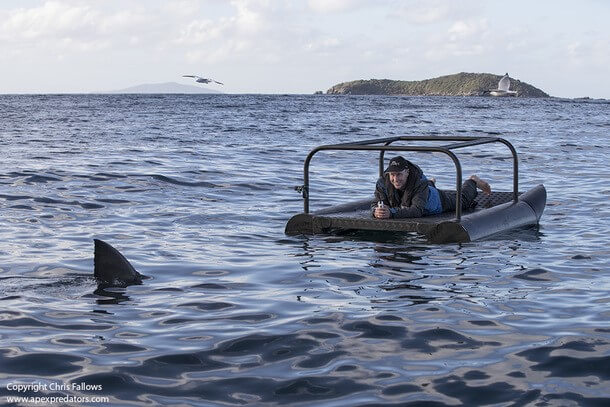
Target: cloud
pixel 334 6
pixel 462 38
pixel 51 20
pixel 83 26
pixel 246 30
pixel 249 19
pixel 257 31
pixel 323 45
pixel 199 32
pixel 215 31
pixel 592 53
pixel 423 12
pixel 461 30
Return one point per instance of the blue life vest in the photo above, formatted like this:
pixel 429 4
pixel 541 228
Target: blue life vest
pixel 433 205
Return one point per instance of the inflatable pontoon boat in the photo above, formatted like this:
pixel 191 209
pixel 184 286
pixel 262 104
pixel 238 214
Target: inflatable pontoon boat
pixel 498 212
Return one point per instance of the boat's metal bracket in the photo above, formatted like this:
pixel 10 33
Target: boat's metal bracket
pixel 303 190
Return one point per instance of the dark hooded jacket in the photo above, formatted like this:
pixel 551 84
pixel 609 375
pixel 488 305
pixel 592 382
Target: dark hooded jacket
pixel 419 197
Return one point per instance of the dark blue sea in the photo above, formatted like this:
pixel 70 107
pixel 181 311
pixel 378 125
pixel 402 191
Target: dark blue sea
pixel 196 190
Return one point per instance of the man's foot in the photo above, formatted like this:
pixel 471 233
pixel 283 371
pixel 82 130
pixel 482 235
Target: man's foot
pixel 482 185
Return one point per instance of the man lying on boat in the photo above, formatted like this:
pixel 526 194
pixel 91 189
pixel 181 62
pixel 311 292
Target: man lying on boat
pixel 405 192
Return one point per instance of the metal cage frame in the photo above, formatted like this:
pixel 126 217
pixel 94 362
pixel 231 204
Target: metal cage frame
pixel 384 144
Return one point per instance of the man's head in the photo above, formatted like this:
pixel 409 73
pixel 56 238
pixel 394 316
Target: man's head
pixel 398 171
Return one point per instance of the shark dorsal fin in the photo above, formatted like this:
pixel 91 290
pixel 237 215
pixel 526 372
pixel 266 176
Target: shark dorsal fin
pixel 111 267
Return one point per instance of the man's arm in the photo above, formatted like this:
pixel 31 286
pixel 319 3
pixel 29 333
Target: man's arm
pixel 381 195
pixel 416 210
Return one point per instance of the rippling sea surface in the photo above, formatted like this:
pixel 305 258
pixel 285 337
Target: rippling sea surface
pixel 195 191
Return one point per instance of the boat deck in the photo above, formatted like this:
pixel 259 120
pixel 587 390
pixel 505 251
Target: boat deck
pixel 357 215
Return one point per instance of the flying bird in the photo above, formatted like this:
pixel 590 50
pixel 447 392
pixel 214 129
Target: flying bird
pixel 202 80
pixel 503 86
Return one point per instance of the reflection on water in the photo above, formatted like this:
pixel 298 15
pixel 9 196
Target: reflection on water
pixel 111 295
pixel 196 191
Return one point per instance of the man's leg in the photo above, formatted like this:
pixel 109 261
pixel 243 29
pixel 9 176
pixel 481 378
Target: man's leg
pixel 469 193
pixel 481 184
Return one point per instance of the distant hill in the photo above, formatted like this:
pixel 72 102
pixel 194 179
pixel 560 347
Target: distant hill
pixel 167 87
pixel 460 84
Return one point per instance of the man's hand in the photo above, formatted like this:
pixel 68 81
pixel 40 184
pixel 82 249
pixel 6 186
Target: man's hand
pixel 382 212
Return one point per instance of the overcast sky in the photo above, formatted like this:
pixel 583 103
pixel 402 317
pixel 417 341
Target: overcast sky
pixel 300 46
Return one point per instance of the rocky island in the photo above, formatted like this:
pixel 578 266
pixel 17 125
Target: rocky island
pixel 460 84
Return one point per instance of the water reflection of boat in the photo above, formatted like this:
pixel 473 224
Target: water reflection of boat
pixel 503 88
pixel 498 212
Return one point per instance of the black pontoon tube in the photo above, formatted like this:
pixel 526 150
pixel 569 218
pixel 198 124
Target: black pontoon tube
pixel 510 215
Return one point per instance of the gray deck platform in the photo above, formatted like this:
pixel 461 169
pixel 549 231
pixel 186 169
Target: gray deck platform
pixel 492 214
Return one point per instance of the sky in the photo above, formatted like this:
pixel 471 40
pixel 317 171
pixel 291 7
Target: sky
pixel 300 46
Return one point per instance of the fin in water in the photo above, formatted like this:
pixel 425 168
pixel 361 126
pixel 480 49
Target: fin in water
pixel 111 268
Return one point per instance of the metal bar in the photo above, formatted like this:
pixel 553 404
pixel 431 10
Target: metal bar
pixel 381 155
pixel 366 142
pixel 513 151
pixel 456 161
pixel 515 168
pixel 470 143
pixel 415 138
pixel 367 145
pixel 440 138
pixel 445 138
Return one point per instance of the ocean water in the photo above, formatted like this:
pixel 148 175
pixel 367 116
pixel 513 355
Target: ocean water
pixel 195 191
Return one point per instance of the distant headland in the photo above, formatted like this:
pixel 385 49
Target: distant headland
pixel 460 84
pixel 166 87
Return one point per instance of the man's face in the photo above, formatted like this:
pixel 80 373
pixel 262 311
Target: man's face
pixel 399 179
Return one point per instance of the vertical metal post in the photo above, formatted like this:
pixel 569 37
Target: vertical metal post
pixel 381 156
pixel 306 179
pixel 515 169
pixel 458 183
pixel 306 185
